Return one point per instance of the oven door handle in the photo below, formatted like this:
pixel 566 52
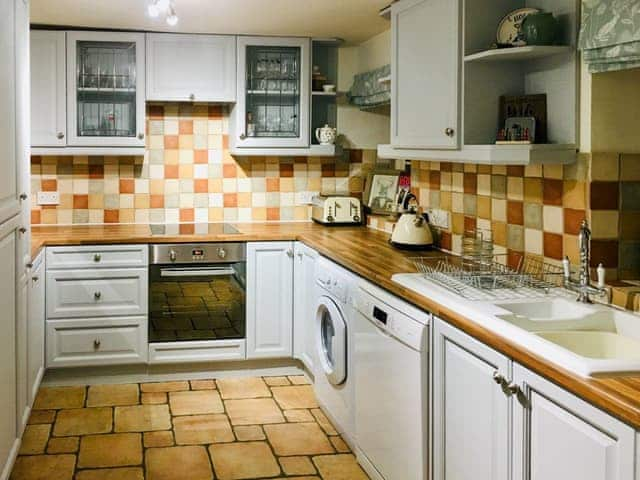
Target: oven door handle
pixel 197 272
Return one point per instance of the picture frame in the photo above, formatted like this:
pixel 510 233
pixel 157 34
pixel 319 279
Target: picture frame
pixel 381 190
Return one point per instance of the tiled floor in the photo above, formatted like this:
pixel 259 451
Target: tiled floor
pixel 241 428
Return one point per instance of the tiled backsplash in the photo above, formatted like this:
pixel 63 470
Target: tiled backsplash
pixel 186 175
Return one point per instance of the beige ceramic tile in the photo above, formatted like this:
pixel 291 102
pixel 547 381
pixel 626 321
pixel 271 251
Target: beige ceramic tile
pixel 59 397
pixel 178 463
pixel 324 422
pixel 112 450
pixel 125 473
pixel 234 388
pixel 605 166
pixel 339 467
pixel 339 444
pixel 247 433
pixel 41 416
pixel 253 411
pixel 202 429
pixel 195 403
pixel 44 467
pixel 34 439
pixel 630 167
pixel 142 418
pixel 153 398
pixel 297 466
pixel 112 395
pixel 276 381
pixel 299 396
pixel 82 421
pixel 298 439
pixel 158 439
pixel 230 461
pixel 299 415
pixel 63 445
pixel 164 386
pixel 299 380
pixel 604 224
pixel 203 385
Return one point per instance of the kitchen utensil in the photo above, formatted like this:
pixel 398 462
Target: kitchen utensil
pixel 412 232
pixel 329 88
pixel 326 135
pixel 509 29
pixel 336 210
pixel 540 29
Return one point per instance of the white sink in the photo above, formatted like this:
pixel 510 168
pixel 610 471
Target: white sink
pixel 547 310
pixel 596 345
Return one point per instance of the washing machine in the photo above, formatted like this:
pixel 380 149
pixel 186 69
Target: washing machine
pixel 332 335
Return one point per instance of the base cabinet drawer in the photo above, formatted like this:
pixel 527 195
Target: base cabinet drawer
pixel 196 352
pixel 96 293
pixel 97 256
pixel 75 344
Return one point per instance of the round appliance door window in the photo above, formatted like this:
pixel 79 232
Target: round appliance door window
pixel 331 341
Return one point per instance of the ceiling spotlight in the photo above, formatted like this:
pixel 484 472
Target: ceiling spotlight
pixel 156 8
pixel 172 18
pixel 153 10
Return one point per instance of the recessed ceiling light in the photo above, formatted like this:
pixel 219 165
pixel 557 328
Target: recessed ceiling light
pixel 156 8
pixel 172 18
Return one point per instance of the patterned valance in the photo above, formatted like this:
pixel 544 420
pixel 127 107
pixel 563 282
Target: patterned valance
pixel 610 34
pixel 367 90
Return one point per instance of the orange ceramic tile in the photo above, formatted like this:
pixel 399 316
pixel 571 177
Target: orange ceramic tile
pixel 155 112
pixel 156 201
pixel 127 186
pixel 201 185
pixel 273 184
pixel 187 215
pixel 553 245
pixel 185 127
pixel 49 185
pixel 434 179
pixel 80 201
pixel 328 170
pixel 200 156
pixel 552 190
pixel 229 170
pixel 171 171
pixel 111 216
pixel 286 170
pixel 533 190
pixel 572 220
pixel 515 171
pixel 515 213
pixel 171 142
pixel 215 112
pixel 470 183
pixel 96 171
pixel 574 195
pixel 273 214
pixel 35 217
pixel 499 233
pixel 230 200
pixel 470 223
pixel 225 142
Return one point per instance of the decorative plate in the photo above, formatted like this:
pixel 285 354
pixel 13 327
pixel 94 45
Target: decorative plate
pixel 509 32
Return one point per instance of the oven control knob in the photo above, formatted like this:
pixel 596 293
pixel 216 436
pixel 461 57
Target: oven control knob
pixel 222 252
pixel 173 256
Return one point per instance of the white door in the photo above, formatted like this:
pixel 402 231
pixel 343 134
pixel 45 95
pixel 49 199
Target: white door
pixel 272 109
pixel 471 412
pixel 191 68
pixel 330 332
pixel 558 436
pixel 35 329
pixel 425 64
pixel 105 89
pixel 303 305
pixel 48 89
pixel 269 299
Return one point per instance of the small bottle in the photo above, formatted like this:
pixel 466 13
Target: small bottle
pixel 251 128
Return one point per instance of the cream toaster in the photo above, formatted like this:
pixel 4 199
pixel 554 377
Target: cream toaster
pixel 336 210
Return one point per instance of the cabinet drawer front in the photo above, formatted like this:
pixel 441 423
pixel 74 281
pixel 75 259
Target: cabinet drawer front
pixel 109 345
pixel 195 352
pixel 96 293
pixel 97 256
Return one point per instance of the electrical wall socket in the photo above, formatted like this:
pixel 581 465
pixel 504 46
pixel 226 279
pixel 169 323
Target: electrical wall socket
pixel 305 198
pixel 439 218
pixel 48 198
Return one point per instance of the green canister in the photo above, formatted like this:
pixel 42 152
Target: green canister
pixel 540 29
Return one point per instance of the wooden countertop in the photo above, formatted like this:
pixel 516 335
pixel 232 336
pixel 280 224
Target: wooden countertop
pixel 368 253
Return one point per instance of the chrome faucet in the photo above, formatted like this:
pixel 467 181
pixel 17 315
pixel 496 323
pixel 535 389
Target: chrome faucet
pixel 583 286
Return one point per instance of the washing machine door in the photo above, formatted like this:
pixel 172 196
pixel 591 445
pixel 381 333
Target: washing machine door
pixel 331 340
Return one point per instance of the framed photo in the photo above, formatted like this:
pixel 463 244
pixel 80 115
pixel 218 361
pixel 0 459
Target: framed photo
pixel 381 190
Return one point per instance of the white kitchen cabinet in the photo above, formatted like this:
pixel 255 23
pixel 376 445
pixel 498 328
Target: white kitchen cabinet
pixel 425 59
pixel 471 411
pixel 559 436
pixel 273 99
pixel 269 299
pixel 191 68
pixel 36 327
pixel 22 390
pixel 105 89
pixel 304 304
pixel 48 89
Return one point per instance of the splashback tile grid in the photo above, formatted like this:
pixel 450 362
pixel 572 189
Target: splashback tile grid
pixel 187 175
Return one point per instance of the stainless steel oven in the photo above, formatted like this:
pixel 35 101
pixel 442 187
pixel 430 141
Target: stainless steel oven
pixel 197 292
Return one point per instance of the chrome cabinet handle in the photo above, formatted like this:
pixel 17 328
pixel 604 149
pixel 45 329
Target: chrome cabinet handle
pixel 35 278
pixel 192 97
pixel 242 136
pixel 96 343
pixel 290 253
pixel 173 256
pixel 511 389
pixel 97 257
pixel 141 136
pixel 449 132
pixel 97 295
pixel 23 196
pixel 22 230
pixel 222 252
pixel 301 255
pixel 499 379
pixel 60 135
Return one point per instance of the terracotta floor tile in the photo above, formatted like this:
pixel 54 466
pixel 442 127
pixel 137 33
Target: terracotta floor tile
pixel 178 463
pixel 249 433
pixel 297 466
pixel 59 397
pixel 82 421
pixel 324 422
pixel 153 398
pixel 230 460
pixel 253 411
pixel 234 388
pixel 299 380
pixel 41 416
pixel 202 429
pixel 298 439
pixel 158 439
pixel 300 396
pixel 195 403
pixel 142 418
pixel 63 445
pixel 276 381
pixel 203 384
pixel 339 444
pixel 112 450
pixel 44 467
pixel 34 439
pixel 112 395
pixel 299 415
pixel 126 473
pixel 339 467
pixel 165 386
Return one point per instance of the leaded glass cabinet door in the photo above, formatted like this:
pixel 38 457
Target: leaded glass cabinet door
pixel 273 92
pixel 105 79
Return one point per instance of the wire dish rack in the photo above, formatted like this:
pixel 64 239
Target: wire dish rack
pixel 491 277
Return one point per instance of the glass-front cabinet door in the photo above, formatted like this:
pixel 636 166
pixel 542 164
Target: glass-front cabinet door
pixel 273 92
pixel 105 79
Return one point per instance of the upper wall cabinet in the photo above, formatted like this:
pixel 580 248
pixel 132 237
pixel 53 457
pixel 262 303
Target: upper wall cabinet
pixel 48 89
pixel 424 75
pixel 447 83
pixel 200 68
pixel 105 89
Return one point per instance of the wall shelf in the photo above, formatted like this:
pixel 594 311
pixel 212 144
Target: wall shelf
pixel 312 151
pixel 323 94
pixel 517 53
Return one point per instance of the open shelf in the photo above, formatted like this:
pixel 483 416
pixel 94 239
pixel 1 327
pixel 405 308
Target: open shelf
pixel 311 151
pixel 272 92
pixel 323 94
pixel 531 52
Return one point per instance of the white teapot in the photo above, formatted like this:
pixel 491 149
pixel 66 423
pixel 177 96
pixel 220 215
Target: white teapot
pixel 326 135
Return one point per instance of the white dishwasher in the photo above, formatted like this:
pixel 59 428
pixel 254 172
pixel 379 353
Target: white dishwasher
pixel 391 386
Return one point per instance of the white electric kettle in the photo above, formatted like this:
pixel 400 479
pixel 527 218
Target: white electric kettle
pixel 412 232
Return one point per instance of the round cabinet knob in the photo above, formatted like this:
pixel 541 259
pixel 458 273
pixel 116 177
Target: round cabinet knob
pixel 97 295
pixel 60 135
pixel 96 343
pixel 242 136
pixel 173 256
pixel 22 230
pixel 330 219
pixel 449 132
pixel 192 97
pixel 499 379
pixel 23 196
pixel 97 257
pixel 222 253
pixel 141 136
pixel 35 278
